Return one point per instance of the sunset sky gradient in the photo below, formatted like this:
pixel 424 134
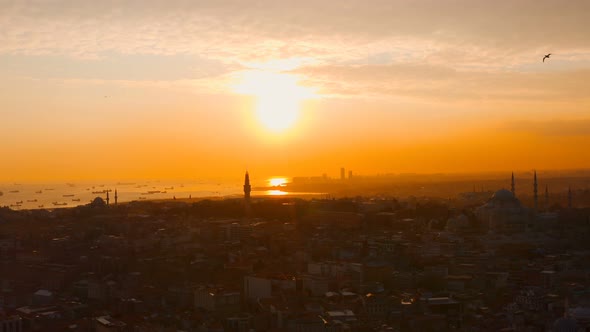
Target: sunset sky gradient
pixel 155 89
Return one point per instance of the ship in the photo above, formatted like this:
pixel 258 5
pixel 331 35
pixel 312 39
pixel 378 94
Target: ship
pixel 41 206
pixel 39 192
pixel 60 204
pixel 14 191
pixel 75 199
pixel 69 195
pixel 31 200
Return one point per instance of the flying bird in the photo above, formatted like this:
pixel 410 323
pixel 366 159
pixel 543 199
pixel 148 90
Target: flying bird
pixel 546 56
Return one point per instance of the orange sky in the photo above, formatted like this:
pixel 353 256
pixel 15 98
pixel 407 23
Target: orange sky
pixel 175 89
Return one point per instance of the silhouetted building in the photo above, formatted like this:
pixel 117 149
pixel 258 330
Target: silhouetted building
pixel 247 191
pixel 503 213
pixel 349 175
pixel 116 197
pixel 98 202
pixel 107 197
pixel 342 173
pixel 247 187
pixel 512 186
pixel 569 197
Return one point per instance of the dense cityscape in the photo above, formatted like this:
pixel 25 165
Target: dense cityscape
pixel 294 166
pixel 481 261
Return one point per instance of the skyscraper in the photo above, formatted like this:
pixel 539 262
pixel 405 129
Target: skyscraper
pixel 247 187
pixel 342 173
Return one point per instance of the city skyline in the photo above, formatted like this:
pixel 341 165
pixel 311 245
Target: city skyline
pixel 177 89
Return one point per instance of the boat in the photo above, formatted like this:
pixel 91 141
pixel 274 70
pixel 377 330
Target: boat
pixel 39 192
pixel 14 191
pixel 69 195
pixel 49 189
pixel 60 204
pixel 31 200
pixel 154 192
pixel 19 202
pixel 169 188
pixel 41 206
pixel 75 199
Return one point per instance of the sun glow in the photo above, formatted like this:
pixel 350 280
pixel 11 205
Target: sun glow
pixel 276 193
pixel 276 182
pixel 278 97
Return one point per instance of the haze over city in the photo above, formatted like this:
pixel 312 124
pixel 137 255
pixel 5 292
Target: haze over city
pixel 186 89
pixel 289 166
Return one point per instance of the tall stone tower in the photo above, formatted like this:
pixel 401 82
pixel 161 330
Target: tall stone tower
pixel 535 192
pixel 107 197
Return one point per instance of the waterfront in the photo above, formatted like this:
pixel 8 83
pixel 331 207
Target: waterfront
pixel 23 196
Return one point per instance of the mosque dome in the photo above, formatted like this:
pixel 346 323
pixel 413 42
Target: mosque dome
pixel 503 199
pixel 503 195
pixel 98 202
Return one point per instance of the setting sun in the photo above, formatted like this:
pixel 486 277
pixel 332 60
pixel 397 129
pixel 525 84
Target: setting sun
pixel 278 97
pixel 274 182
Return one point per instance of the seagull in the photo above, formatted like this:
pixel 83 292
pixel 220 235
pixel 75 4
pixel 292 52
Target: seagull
pixel 546 56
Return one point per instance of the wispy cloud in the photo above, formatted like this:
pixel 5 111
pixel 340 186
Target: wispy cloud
pixel 556 127
pixel 229 30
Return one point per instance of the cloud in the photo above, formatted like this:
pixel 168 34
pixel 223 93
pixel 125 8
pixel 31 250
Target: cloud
pixel 115 67
pixel 436 82
pixel 334 31
pixel 562 128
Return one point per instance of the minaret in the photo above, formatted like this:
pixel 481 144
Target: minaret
pixel 512 186
pixel 546 198
pixel 569 197
pixel 107 198
pixel 535 192
pixel 247 187
pixel 116 197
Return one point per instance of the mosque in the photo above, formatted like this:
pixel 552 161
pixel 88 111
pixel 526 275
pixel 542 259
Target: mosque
pixel 504 213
